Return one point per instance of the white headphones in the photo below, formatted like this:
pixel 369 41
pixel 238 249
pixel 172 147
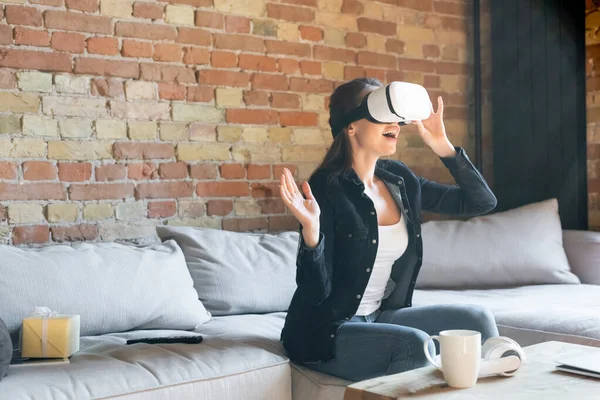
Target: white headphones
pixel 501 356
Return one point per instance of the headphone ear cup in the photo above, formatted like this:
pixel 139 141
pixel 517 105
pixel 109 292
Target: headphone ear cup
pixel 506 349
pixel 490 345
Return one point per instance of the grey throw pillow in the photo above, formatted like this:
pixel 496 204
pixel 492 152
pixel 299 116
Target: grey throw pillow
pixel 6 349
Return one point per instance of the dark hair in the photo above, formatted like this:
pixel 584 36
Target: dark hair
pixel 344 98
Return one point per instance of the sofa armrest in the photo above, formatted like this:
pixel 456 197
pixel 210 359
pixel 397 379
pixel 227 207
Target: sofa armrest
pixel 583 251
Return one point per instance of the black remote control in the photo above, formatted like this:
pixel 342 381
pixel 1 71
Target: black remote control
pixel 169 339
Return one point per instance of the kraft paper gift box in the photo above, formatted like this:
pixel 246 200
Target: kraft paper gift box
pixel 47 334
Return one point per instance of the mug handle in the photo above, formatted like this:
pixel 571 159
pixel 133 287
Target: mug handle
pixel 426 350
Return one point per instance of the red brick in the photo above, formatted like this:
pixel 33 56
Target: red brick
pixel 171 91
pixel 415 65
pixel 256 171
pixel 166 73
pixel 284 223
pixel 288 65
pixel 145 31
pixel 311 33
pixel 236 24
pixel 268 81
pixel 143 151
pixel 107 88
pixel 456 113
pixel 103 45
pixel 310 85
pixel 334 54
pixel 7 79
pixel 352 72
pixel 450 68
pixel 101 191
pixel 219 207
pixel 394 75
pixel 223 78
pixel 232 171
pixel 223 59
pixel 293 49
pixel 83 5
pixel 375 73
pixel 446 7
pixel 593 151
pixel 54 3
pixel 148 10
pixel 38 60
pixel 354 39
pixel 376 59
pixel 310 3
pixel 70 21
pixel 111 172
pixel 201 94
pixel 98 66
pixel 209 19
pixel 77 233
pixel 431 81
pixel 6 34
pixel 290 13
pixel 142 171
pixel 255 98
pixel 162 209
pixel 39 171
pixel 203 171
pixel 65 41
pixel 30 234
pixel 261 190
pixel 134 48
pixel 285 100
pixel 258 117
pixel 9 170
pixel 196 55
pixel 245 224
pixel 194 3
pixel 238 42
pixel 352 7
pixel 21 15
pixel 164 190
pixel 199 37
pixel 385 28
pixel 271 206
pixel 421 5
pixel 257 63
pixel 222 189
pixel 32 37
pixel 32 191
pixel 278 170
pixel 395 46
pixel 74 172
pixel 174 170
pixel 310 67
pixel 297 118
pixel 457 24
pixel 167 52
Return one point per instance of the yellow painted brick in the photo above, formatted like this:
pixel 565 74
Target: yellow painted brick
pixel 255 135
pixel 19 102
pixel 34 81
pixel 413 50
pixel 228 97
pixel 334 37
pixel 27 148
pixel 333 70
pixel 393 13
pixel 10 124
pixel 201 113
pixel 179 14
pixel 323 120
pixel 251 153
pixel 327 137
pixel 39 126
pixel 302 153
pixel 191 208
pixel 330 5
pixel 111 129
pixel 254 8
pixel 204 151
pixel 414 77
pixel 376 43
pixel 246 208
pixel 280 135
pixel 450 37
pixel 313 102
pixel 174 131
pixel 116 8
pixel 142 130
pixel 308 136
pixel 305 170
pixel 74 106
pixel 453 83
pixel 130 210
pixel 409 34
pixel 25 213
pixel 227 133
pixel 202 222
pixel 373 10
pixel 288 31
pixel 98 212
pixel 457 126
pixel 14 1
pixel 72 84
pixel 75 128
pixel 332 19
pixel 140 90
pixel 62 212
pixel 79 150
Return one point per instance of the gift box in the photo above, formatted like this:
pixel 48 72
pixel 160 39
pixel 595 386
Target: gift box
pixel 47 334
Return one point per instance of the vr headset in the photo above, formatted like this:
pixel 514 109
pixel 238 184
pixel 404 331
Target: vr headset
pixel 400 102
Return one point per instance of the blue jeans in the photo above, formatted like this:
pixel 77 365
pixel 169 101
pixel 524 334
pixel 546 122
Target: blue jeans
pixel 391 341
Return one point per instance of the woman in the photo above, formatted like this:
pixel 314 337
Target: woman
pixel 360 247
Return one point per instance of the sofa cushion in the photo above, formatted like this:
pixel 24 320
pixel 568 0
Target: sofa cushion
pixel 583 252
pixel 522 246
pixel 112 287
pixel 238 273
pixel 533 314
pixel 6 349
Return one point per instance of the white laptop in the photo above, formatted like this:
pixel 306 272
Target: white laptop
pixel 587 364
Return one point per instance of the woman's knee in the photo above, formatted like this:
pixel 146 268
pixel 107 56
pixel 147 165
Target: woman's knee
pixel 478 318
pixel 407 351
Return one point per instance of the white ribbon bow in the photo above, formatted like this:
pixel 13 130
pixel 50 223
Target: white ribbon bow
pixel 45 313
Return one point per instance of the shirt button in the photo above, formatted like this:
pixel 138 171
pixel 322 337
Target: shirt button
pixel 332 335
pixel 374 241
pixel 418 235
pixel 349 235
pixel 358 296
pixel 406 210
pixel 347 318
pixel 399 182
pixel 372 212
pixel 368 269
pixel 409 304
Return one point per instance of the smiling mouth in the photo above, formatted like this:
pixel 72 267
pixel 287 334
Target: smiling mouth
pixel 391 135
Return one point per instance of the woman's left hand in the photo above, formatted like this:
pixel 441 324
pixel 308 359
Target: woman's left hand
pixel 433 132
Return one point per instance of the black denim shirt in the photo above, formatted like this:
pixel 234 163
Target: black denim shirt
pixel 332 277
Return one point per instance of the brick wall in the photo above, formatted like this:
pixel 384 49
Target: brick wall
pixel 592 41
pixel 118 115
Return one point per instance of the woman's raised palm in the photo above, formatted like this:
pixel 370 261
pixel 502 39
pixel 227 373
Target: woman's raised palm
pixel 306 210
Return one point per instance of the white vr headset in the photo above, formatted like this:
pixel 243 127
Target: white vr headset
pixel 400 102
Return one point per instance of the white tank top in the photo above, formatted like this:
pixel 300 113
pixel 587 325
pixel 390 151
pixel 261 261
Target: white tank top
pixel 393 241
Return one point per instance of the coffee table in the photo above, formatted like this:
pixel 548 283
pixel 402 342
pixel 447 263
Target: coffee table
pixel 537 379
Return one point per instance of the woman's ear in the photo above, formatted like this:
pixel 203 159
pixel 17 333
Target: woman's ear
pixel 351 130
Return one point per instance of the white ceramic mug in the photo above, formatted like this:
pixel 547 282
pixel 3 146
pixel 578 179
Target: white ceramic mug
pixel 460 351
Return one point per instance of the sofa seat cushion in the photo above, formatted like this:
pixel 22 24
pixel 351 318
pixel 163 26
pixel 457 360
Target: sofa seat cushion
pixel 232 362
pixel 533 314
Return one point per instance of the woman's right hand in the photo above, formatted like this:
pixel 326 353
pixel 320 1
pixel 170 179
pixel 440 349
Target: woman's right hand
pixel 306 210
